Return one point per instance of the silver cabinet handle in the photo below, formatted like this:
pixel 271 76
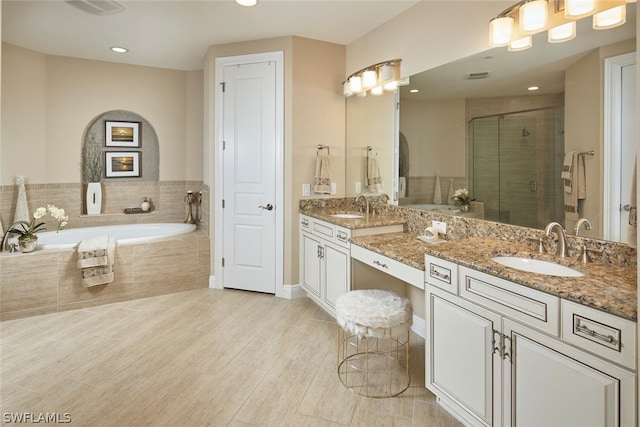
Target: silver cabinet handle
pixel 342 236
pixel 590 332
pixel 436 273
pixel 378 263
pixel 269 207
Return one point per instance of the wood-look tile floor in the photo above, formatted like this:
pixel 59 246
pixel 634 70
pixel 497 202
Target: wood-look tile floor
pixel 195 358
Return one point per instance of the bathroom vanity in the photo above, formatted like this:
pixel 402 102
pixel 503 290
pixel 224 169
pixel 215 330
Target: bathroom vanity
pixel 325 251
pixel 499 353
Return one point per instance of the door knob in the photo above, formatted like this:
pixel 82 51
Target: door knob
pixel 269 207
pixel 627 208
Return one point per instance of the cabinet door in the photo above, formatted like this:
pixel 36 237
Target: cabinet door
pixel 337 265
pixel 460 359
pixel 552 384
pixel 311 264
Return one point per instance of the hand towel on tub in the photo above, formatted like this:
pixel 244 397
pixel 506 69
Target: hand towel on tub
pixel 100 274
pixel 322 179
pixel 374 180
pixel 92 252
pixel 573 175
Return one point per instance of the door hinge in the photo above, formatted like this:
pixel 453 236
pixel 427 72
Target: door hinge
pixel 224 85
pixel 223 261
pixel 222 203
pixel 224 145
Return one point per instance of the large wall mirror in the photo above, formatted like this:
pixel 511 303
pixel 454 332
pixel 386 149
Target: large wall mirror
pixel 507 144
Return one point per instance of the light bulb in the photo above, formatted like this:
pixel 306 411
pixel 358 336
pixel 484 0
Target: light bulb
pixel 369 79
pixel 562 33
pixel 533 16
pixel 500 31
pixel 355 84
pixel 610 18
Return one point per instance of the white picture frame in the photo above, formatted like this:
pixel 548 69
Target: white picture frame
pixel 122 134
pixel 122 164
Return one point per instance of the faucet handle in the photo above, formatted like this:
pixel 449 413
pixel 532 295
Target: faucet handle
pixel 584 255
pixel 540 244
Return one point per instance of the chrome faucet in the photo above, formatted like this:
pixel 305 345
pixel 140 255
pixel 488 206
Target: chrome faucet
pixel 383 198
pixel 581 221
pixel 365 200
pixel 561 246
pixel 5 238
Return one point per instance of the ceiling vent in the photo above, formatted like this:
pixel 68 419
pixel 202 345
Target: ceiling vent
pixel 476 76
pixel 97 7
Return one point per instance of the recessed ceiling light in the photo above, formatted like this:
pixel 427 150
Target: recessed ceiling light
pixel 414 90
pixel 247 2
pixel 119 49
pixel 533 88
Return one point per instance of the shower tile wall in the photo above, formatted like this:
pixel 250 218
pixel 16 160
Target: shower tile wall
pixel 167 202
pixel 421 189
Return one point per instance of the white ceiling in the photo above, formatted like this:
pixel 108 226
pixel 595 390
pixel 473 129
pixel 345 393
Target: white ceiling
pixel 176 34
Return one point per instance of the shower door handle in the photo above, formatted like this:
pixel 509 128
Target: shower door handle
pixel 269 207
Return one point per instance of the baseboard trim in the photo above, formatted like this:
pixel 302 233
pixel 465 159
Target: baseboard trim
pixel 212 282
pixel 293 292
pixel 419 326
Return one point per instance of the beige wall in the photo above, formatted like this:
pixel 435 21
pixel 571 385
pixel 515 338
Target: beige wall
pixel 313 114
pixel 48 100
pixel 429 34
pixel 584 124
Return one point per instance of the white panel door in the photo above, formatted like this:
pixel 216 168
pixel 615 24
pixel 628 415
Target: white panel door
pixel 554 385
pixel 461 362
pixel 249 153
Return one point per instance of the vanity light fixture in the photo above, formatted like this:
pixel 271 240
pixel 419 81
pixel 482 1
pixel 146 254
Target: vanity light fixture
pixel 119 49
pixel 377 78
pixel 529 17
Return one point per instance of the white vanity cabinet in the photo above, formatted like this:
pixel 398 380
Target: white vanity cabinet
pixel 496 354
pixel 325 261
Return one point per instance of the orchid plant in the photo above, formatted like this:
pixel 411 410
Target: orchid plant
pixel 28 230
pixel 461 197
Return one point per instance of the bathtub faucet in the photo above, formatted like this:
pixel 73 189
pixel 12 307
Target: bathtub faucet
pixel 5 238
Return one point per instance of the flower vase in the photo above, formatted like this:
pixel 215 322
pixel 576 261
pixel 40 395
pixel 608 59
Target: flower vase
pixel 28 244
pixel 94 198
pixel 464 208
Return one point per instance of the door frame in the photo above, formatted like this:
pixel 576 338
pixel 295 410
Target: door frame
pixel 220 62
pixel 612 151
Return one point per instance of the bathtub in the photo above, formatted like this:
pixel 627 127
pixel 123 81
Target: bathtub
pixel 125 234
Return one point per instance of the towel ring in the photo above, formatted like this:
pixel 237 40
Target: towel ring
pixel 322 147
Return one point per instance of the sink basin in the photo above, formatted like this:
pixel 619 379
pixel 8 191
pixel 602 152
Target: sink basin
pixel 537 266
pixel 346 215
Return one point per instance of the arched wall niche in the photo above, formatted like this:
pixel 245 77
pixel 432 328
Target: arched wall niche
pixel 94 143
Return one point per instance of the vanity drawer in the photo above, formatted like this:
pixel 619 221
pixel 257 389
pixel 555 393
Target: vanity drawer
pixel 323 229
pixel 604 334
pixel 342 236
pixel 532 307
pixel 440 273
pixel 305 223
pixel 404 272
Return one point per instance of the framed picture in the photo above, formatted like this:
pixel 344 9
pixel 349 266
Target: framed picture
pixel 122 134
pixel 122 164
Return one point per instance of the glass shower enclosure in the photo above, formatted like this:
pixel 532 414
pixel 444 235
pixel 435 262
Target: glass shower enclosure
pixel 515 164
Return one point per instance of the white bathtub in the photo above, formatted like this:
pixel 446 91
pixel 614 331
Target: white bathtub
pixel 125 234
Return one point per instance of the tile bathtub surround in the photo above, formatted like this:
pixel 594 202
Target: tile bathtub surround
pixel 189 358
pixel 167 202
pixel 49 281
pixel 461 227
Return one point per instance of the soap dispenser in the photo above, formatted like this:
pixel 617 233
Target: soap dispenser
pixel 145 205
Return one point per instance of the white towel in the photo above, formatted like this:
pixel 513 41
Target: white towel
pixel 374 180
pixel 450 200
pixel 574 186
pixel 322 180
pixel 22 208
pixel 437 191
pixel 96 256
pixel 632 229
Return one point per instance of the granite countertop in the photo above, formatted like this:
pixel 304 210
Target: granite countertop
pixel 604 287
pixel 353 223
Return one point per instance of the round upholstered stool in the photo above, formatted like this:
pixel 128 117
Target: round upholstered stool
pixel 373 342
